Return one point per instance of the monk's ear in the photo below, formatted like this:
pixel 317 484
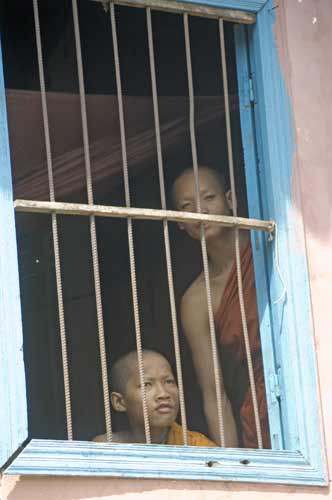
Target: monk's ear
pixel 118 401
pixel 228 196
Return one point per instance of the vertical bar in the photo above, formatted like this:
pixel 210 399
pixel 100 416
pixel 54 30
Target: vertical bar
pixel 57 259
pixel 93 232
pixel 129 225
pixel 216 367
pixel 166 231
pixel 237 242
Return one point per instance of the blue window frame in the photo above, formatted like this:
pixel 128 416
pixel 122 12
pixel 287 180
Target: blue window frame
pixel 290 366
pixel 13 412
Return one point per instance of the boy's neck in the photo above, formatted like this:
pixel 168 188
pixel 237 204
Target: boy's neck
pixel 158 436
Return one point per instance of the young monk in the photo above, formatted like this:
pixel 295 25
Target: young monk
pixel 162 398
pixel 215 199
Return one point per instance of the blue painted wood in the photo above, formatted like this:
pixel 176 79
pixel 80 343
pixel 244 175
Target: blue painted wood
pixel 292 322
pixel 75 458
pixel 248 5
pixel 257 238
pixel 273 116
pixel 13 410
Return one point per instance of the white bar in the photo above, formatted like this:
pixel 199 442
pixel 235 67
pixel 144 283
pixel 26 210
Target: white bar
pixel 237 241
pixel 56 247
pixel 141 213
pixel 131 248
pixel 234 16
pixel 93 232
pixel 214 348
pixel 168 254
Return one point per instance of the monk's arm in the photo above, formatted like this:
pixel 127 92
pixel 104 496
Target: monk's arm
pixel 196 328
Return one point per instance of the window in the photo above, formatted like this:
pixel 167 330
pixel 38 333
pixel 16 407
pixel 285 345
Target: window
pixel 266 161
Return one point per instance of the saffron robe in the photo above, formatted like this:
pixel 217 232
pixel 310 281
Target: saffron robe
pixel 233 355
pixel 175 437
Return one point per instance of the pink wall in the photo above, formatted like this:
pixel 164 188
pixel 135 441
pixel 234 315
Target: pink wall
pixel 29 488
pixel 304 40
pixel 309 37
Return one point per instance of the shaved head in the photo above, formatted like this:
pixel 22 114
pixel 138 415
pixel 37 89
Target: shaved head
pixel 159 388
pixel 189 171
pixel 124 368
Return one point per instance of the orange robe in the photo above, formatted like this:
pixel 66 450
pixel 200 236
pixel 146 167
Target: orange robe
pixel 175 437
pixel 233 355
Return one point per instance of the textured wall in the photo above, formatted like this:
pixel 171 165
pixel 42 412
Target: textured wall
pixel 304 41
pixel 308 36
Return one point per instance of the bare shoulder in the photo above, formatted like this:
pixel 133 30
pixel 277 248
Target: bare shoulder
pixel 194 293
pixel 193 305
pixel 118 437
pixel 101 438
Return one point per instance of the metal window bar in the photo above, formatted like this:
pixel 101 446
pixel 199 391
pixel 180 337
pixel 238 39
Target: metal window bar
pixel 129 225
pixel 130 213
pixel 57 259
pixel 215 358
pixel 236 240
pixel 93 233
pixel 194 9
pixel 166 231
pixel 47 207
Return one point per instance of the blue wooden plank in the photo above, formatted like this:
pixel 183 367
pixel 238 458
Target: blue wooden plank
pixel 248 5
pixel 275 153
pixel 75 458
pixel 13 410
pixel 292 316
pixel 258 239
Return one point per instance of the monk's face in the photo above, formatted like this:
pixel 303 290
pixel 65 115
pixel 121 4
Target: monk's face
pixel 161 390
pixel 213 200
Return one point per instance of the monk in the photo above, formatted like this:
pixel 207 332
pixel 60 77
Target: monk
pixel 162 398
pixel 215 199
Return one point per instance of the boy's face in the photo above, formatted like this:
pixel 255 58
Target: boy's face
pixel 162 395
pixel 213 200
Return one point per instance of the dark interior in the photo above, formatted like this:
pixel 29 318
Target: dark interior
pixel 39 303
